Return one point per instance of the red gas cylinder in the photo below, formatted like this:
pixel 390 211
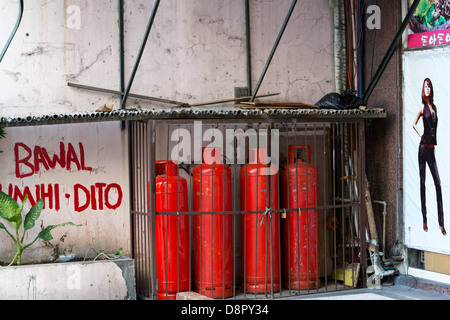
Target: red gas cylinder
pixel 259 232
pixel 213 245
pixel 300 240
pixel 172 232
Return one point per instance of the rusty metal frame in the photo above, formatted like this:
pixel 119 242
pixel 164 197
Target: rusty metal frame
pixel 344 197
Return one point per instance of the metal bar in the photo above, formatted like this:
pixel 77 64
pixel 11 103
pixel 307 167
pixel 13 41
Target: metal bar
pixel 308 212
pixel 191 224
pixel 237 99
pixel 362 196
pixel 274 49
pixel 327 178
pixel 178 218
pixel 343 153
pixel 166 266
pixel 334 252
pixel 121 47
pixel 390 52
pixel 338 206
pixel 212 220
pixel 234 205
pixel 248 47
pixel 121 54
pixel 288 215
pixel 121 93
pixel 223 217
pixel 146 203
pixel 257 204
pixel 19 18
pixel 152 186
pixel 141 50
pixel 244 254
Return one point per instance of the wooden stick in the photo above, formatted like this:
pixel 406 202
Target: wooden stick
pixel 275 105
pixel 370 216
pixel 240 99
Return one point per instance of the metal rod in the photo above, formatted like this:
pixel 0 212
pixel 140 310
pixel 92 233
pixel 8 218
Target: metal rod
pixel 229 100
pixel 19 18
pixel 152 178
pixel 121 48
pixel 274 49
pixel 361 195
pixel 131 95
pixel 141 50
pixel 390 52
pixel 248 47
pixel 121 54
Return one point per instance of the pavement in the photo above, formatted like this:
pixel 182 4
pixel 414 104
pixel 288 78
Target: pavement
pixel 402 287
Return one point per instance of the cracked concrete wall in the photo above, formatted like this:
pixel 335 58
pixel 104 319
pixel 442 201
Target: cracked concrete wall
pixel 55 44
pixel 196 52
pixel 47 52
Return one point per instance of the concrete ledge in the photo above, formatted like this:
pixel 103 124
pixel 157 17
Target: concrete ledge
pixel 80 280
pixel 190 295
pixel 423 284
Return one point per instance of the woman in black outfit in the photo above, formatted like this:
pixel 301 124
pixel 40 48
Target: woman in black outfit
pixel 426 152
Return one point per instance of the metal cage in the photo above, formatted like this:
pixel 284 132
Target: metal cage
pixel 334 232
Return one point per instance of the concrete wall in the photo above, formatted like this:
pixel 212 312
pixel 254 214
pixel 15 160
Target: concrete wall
pixel 384 137
pixel 81 280
pixel 196 49
pixel 195 53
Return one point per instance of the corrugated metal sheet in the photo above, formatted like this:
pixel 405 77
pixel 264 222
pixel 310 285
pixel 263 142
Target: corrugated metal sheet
pixel 229 112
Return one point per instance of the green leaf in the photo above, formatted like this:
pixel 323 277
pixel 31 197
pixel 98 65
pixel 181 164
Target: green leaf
pixel 9 208
pixel 118 254
pixel 11 213
pixel 2 226
pixel 46 235
pixel 33 215
pixel 4 198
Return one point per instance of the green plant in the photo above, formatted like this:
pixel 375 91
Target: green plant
pixel 2 135
pixel 12 212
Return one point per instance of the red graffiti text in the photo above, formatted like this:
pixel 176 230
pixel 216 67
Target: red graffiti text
pixel 29 162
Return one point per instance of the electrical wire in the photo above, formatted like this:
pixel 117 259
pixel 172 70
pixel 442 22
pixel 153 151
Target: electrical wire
pixel 19 18
pixel 354 47
pixel 362 4
pixel 348 45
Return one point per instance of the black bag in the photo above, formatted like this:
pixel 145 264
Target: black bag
pixel 348 100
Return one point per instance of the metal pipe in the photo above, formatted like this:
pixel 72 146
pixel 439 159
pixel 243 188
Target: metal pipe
pixel 131 95
pixel 121 48
pixel 121 55
pixel 152 178
pixel 390 52
pixel 248 47
pixel 141 50
pixel 286 20
pixel 19 18
pixel 384 223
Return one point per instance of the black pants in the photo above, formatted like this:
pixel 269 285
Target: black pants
pixel 426 156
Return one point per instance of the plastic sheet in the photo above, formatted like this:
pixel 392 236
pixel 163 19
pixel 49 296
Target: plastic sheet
pixel 347 100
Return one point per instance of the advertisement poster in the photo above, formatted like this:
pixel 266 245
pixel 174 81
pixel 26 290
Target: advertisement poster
pixel 430 24
pixel 426 149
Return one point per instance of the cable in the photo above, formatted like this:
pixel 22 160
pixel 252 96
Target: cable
pixel 14 30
